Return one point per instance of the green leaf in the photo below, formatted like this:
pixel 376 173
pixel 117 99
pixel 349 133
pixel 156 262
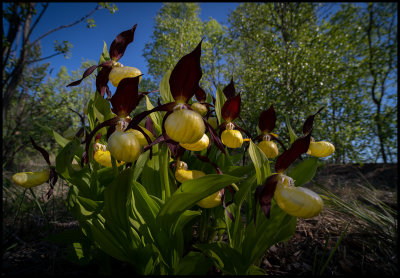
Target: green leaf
pixel 140 163
pixel 279 227
pixel 219 102
pixel 105 56
pixel 164 167
pixel 260 161
pixel 224 257
pixel 90 205
pixel 194 263
pixel 65 157
pixel 189 193
pixel 304 171
pixel 165 91
pixel 60 139
pixel 155 116
pixel 292 135
pixel 102 108
pixel 255 270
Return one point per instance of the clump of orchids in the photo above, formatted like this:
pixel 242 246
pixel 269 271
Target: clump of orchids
pixel 184 128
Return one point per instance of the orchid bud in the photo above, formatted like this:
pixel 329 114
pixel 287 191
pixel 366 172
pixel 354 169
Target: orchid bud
pixel 120 72
pixel 297 201
pixel 31 179
pixel 198 145
pixel 184 126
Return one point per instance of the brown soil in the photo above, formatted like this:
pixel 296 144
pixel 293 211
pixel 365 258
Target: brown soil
pixel 26 252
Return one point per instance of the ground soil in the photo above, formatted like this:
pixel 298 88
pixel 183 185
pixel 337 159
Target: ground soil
pixel 26 250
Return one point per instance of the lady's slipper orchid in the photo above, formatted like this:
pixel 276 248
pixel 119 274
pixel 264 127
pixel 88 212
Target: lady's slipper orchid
pixel 266 123
pixel 101 155
pixel 182 174
pixel 296 201
pixel 31 179
pixel 317 149
pixel 230 111
pixel 181 123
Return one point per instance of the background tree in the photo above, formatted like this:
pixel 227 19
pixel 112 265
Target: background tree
pixel 177 31
pixel 23 71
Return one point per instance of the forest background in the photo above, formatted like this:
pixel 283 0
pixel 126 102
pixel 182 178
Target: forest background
pixel 297 56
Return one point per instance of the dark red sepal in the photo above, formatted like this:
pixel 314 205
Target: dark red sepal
pixel 102 81
pixel 263 195
pixel 126 96
pixel 138 118
pixel 298 147
pixel 308 124
pixel 229 91
pixel 86 73
pixel 267 120
pixel 149 126
pixel 110 122
pixel 119 44
pixel 52 182
pixel 185 77
pixel 44 153
pixel 231 108
pixel 200 95
pixel 214 137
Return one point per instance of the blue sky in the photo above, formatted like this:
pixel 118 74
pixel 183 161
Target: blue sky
pixel 88 43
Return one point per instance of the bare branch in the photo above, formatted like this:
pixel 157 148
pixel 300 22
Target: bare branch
pixel 68 25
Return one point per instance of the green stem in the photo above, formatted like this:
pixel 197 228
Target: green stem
pixel 19 207
pixel 114 165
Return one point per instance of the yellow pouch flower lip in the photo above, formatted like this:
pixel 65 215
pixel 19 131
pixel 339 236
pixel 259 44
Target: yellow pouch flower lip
pixel 124 146
pixel 199 108
pixel 120 72
pixel 269 148
pixel 198 145
pixel 211 201
pixel 297 201
pixel 31 179
pixel 321 149
pixel 104 158
pixel 184 126
pixel 232 138
pixel 140 137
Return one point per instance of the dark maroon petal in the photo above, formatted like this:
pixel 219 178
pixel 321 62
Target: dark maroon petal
pixel 267 193
pixel 126 96
pixel 149 126
pixel 229 91
pixel 185 77
pixel 44 153
pixel 85 74
pixel 273 137
pixel 225 206
pixel 52 182
pixel 110 122
pixel 267 120
pixel 102 81
pixel 207 160
pixel 242 130
pixel 119 44
pixel 298 147
pixel 308 124
pixel 214 137
pixel 138 118
pixel 200 95
pixel 231 109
